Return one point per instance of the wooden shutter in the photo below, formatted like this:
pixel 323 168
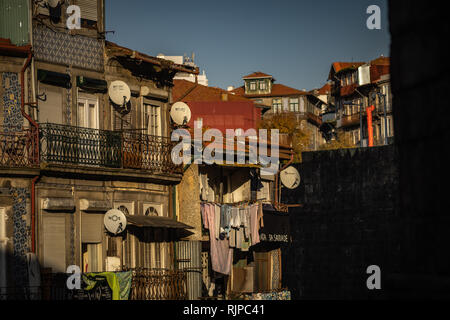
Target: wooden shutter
pixel 88 9
pixel 54 234
pixel 91 228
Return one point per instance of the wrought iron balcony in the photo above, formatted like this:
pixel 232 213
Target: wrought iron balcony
pixel 63 144
pixel 18 149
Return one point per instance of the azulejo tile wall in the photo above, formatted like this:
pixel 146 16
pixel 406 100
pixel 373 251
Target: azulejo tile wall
pixel 21 234
pixel 65 49
pixel 12 116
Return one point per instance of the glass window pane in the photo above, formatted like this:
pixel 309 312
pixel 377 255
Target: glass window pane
pixel 81 114
pixel 92 117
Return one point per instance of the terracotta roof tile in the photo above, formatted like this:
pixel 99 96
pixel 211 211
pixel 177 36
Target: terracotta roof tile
pixel 257 75
pixel 278 90
pixel 187 91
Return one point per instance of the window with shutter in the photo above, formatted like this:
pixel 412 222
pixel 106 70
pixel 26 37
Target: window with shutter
pixel 88 9
pixel 54 239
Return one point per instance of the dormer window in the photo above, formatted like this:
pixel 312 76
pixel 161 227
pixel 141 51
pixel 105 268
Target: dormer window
pixel 252 86
pixel 262 85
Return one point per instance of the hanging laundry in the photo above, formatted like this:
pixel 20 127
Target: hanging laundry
pixel 254 224
pixel 217 221
pixel 221 253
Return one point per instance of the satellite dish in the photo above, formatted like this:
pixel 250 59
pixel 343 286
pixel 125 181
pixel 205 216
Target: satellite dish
pixel 290 177
pixel 119 92
pixel 180 113
pixel 115 221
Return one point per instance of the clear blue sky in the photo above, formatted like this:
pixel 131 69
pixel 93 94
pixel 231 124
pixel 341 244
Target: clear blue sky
pixel 295 41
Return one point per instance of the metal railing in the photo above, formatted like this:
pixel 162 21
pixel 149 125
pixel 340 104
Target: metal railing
pixel 147 152
pixel 63 144
pixel 80 146
pixel 158 284
pixel 18 148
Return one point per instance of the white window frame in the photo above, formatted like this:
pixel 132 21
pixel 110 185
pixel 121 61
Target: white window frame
pixel 87 100
pixel 277 105
pixel 147 118
pixel 262 85
pixel 294 104
pixel 252 85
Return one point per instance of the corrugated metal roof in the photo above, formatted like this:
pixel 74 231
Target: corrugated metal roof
pixel 156 222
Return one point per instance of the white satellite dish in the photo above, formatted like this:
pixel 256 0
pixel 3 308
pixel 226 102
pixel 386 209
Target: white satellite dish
pixel 180 113
pixel 290 177
pixel 115 221
pixel 119 92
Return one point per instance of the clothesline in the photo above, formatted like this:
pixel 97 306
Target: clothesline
pixel 239 203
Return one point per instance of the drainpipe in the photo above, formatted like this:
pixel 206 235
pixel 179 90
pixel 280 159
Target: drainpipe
pixel 36 147
pixel 369 124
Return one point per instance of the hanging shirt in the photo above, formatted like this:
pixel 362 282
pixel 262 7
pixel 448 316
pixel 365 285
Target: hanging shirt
pixel 254 223
pixel 221 253
pixel 216 221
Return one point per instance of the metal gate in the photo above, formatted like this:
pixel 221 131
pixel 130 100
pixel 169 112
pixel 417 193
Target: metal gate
pixel 189 260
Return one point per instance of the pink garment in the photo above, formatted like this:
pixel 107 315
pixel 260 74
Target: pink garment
pixel 221 253
pixel 204 215
pixel 254 223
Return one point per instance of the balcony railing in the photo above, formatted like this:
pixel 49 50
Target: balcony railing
pixel 18 148
pixel 80 146
pixel 158 284
pixel 146 284
pixel 350 120
pixel 63 144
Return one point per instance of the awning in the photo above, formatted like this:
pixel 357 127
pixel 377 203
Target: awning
pixel 92 85
pixel 54 78
pixel 276 225
pixel 156 222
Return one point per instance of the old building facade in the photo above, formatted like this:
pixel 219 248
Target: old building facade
pixel 69 154
pixel 275 98
pixel 355 87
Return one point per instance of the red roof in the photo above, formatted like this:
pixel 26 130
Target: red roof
pixel 381 61
pixel 337 67
pixel 257 75
pixel 325 89
pixel 278 90
pixel 207 103
pixel 184 90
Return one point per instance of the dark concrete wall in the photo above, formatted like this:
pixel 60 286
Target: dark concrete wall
pixel 420 85
pixel 389 205
pixel 348 222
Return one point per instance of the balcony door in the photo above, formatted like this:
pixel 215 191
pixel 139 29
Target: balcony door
pixel 152 119
pixel 88 112
pixel 89 138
